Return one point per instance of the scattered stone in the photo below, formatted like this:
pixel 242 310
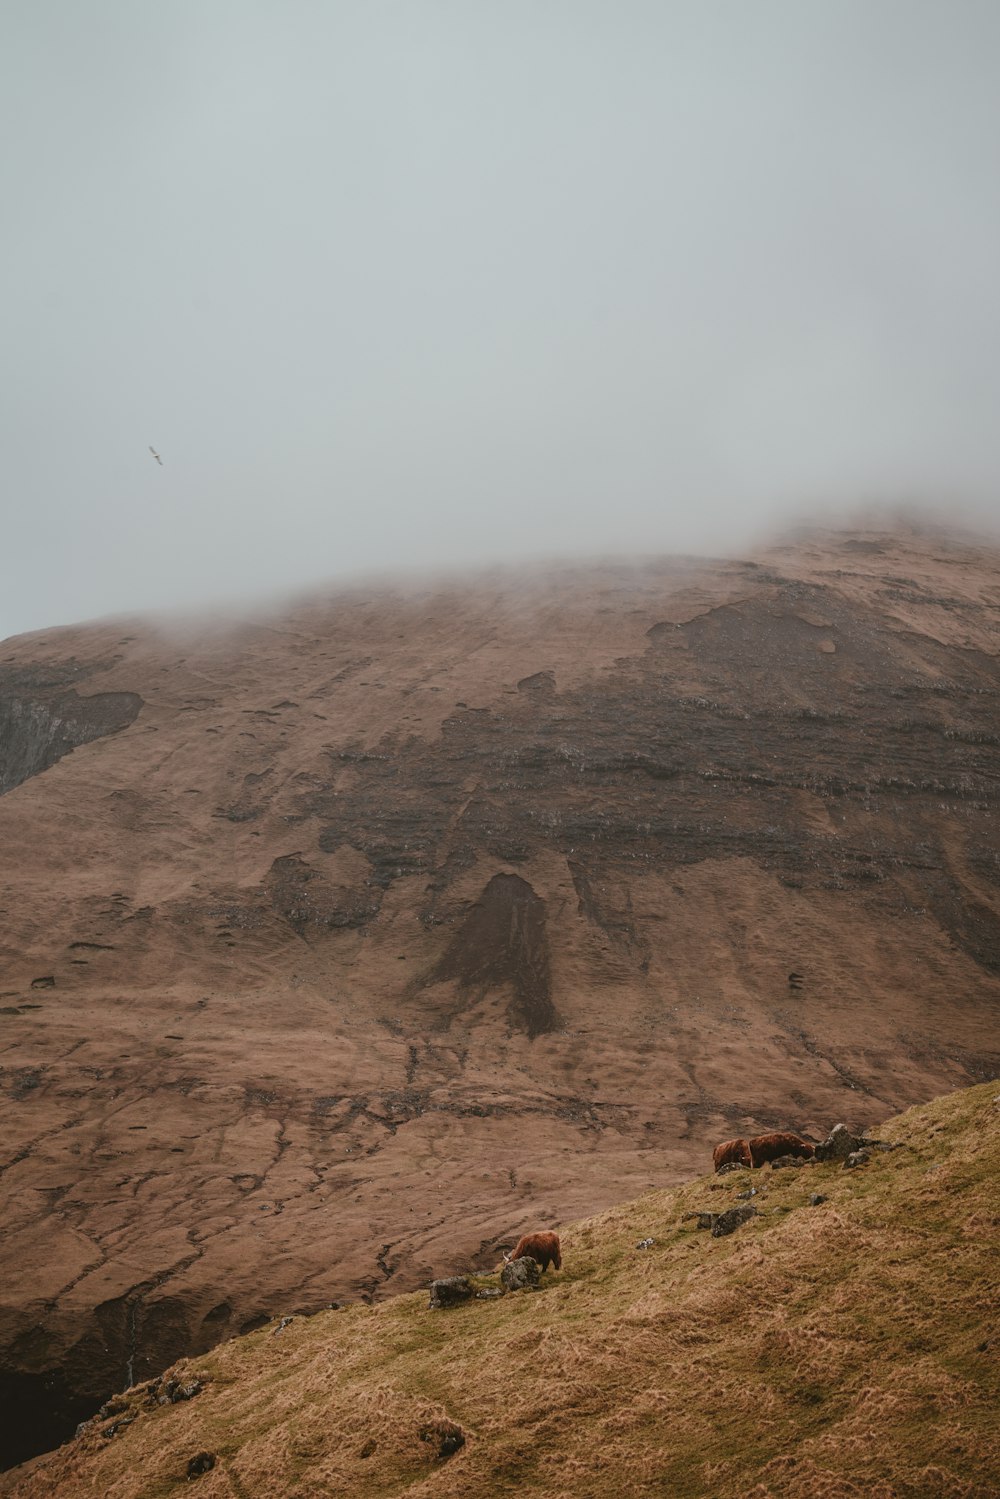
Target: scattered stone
pixel 203 1463
pixel 732 1166
pixel 449 1292
pixel 447 1437
pixel 112 1407
pixel 732 1219
pixel 838 1145
pixel 788 1160
pixel 857 1158
pixel 488 1293
pixel 172 1390
pixel 815 1198
pixel 114 1427
pixel 285 1322
pixel 704 1220
pixel 745 1196
pixel 520 1275
pixel 645 1244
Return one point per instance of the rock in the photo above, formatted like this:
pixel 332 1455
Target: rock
pixel 203 1463
pixel 866 1144
pixel 114 1427
pixel 838 1145
pixel 645 1244
pixel 173 1390
pixel 857 1158
pixel 815 1198
pixel 447 1437
pixel 745 1196
pixel 786 1160
pixel 732 1218
pixel 285 1322
pixel 731 1166
pixel 449 1292
pixel 488 1293
pixel 704 1220
pixel 520 1275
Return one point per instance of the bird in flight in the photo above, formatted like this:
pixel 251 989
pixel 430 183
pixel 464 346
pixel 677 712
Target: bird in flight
pixel 156 455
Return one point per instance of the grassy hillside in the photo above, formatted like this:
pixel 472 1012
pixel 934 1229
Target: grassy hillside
pixel 820 1352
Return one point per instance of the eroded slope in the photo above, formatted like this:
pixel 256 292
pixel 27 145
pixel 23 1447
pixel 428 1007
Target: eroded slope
pixel 396 924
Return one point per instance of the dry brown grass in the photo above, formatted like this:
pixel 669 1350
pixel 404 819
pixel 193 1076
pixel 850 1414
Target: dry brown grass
pixel 845 1351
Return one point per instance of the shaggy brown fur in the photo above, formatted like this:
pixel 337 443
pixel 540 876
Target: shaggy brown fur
pixel 731 1150
pixel 542 1248
pixel 764 1148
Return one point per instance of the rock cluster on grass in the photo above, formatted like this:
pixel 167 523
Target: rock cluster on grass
pixel 729 1221
pixel 125 1408
pixel 520 1275
pixel 838 1145
pixel 449 1292
pixel 725 1223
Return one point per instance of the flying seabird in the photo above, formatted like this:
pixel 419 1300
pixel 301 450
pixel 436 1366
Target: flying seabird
pixel 156 455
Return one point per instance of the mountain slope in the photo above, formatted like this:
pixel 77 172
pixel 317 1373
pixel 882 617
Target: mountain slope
pixel 820 1352
pixel 340 946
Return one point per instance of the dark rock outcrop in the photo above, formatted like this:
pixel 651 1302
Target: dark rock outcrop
pixel 42 719
pixel 732 1219
pixel 449 1292
pixel 520 1275
pixel 838 1144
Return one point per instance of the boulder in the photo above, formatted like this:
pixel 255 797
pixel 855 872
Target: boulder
pixel 449 1292
pixel 857 1158
pixel 729 1221
pixel 838 1145
pixel 704 1220
pixel 446 1437
pixel 520 1275
pixel 204 1462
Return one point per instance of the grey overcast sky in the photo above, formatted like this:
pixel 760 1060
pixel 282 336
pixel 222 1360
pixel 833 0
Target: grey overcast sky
pixel 395 283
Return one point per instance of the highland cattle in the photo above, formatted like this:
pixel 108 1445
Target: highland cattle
pixel 731 1152
pixel 764 1148
pixel 543 1248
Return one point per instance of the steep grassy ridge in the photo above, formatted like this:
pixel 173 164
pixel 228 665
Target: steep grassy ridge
pixel 821 1352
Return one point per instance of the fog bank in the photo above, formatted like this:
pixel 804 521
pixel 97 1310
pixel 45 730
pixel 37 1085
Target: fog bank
pixel 390 285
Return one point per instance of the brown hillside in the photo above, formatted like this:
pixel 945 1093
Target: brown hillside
pixel 841 1344
pixel 338 948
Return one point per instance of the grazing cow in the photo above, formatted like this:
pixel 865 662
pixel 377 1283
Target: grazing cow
pixel 764 1148
pixel 542 1248
pixel 730 1151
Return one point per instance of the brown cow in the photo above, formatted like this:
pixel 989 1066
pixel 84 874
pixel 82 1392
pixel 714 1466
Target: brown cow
pixel 729 1151
pixel 764 1148
pixel 539 1247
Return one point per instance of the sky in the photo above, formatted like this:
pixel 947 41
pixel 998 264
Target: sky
pixel 398 284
